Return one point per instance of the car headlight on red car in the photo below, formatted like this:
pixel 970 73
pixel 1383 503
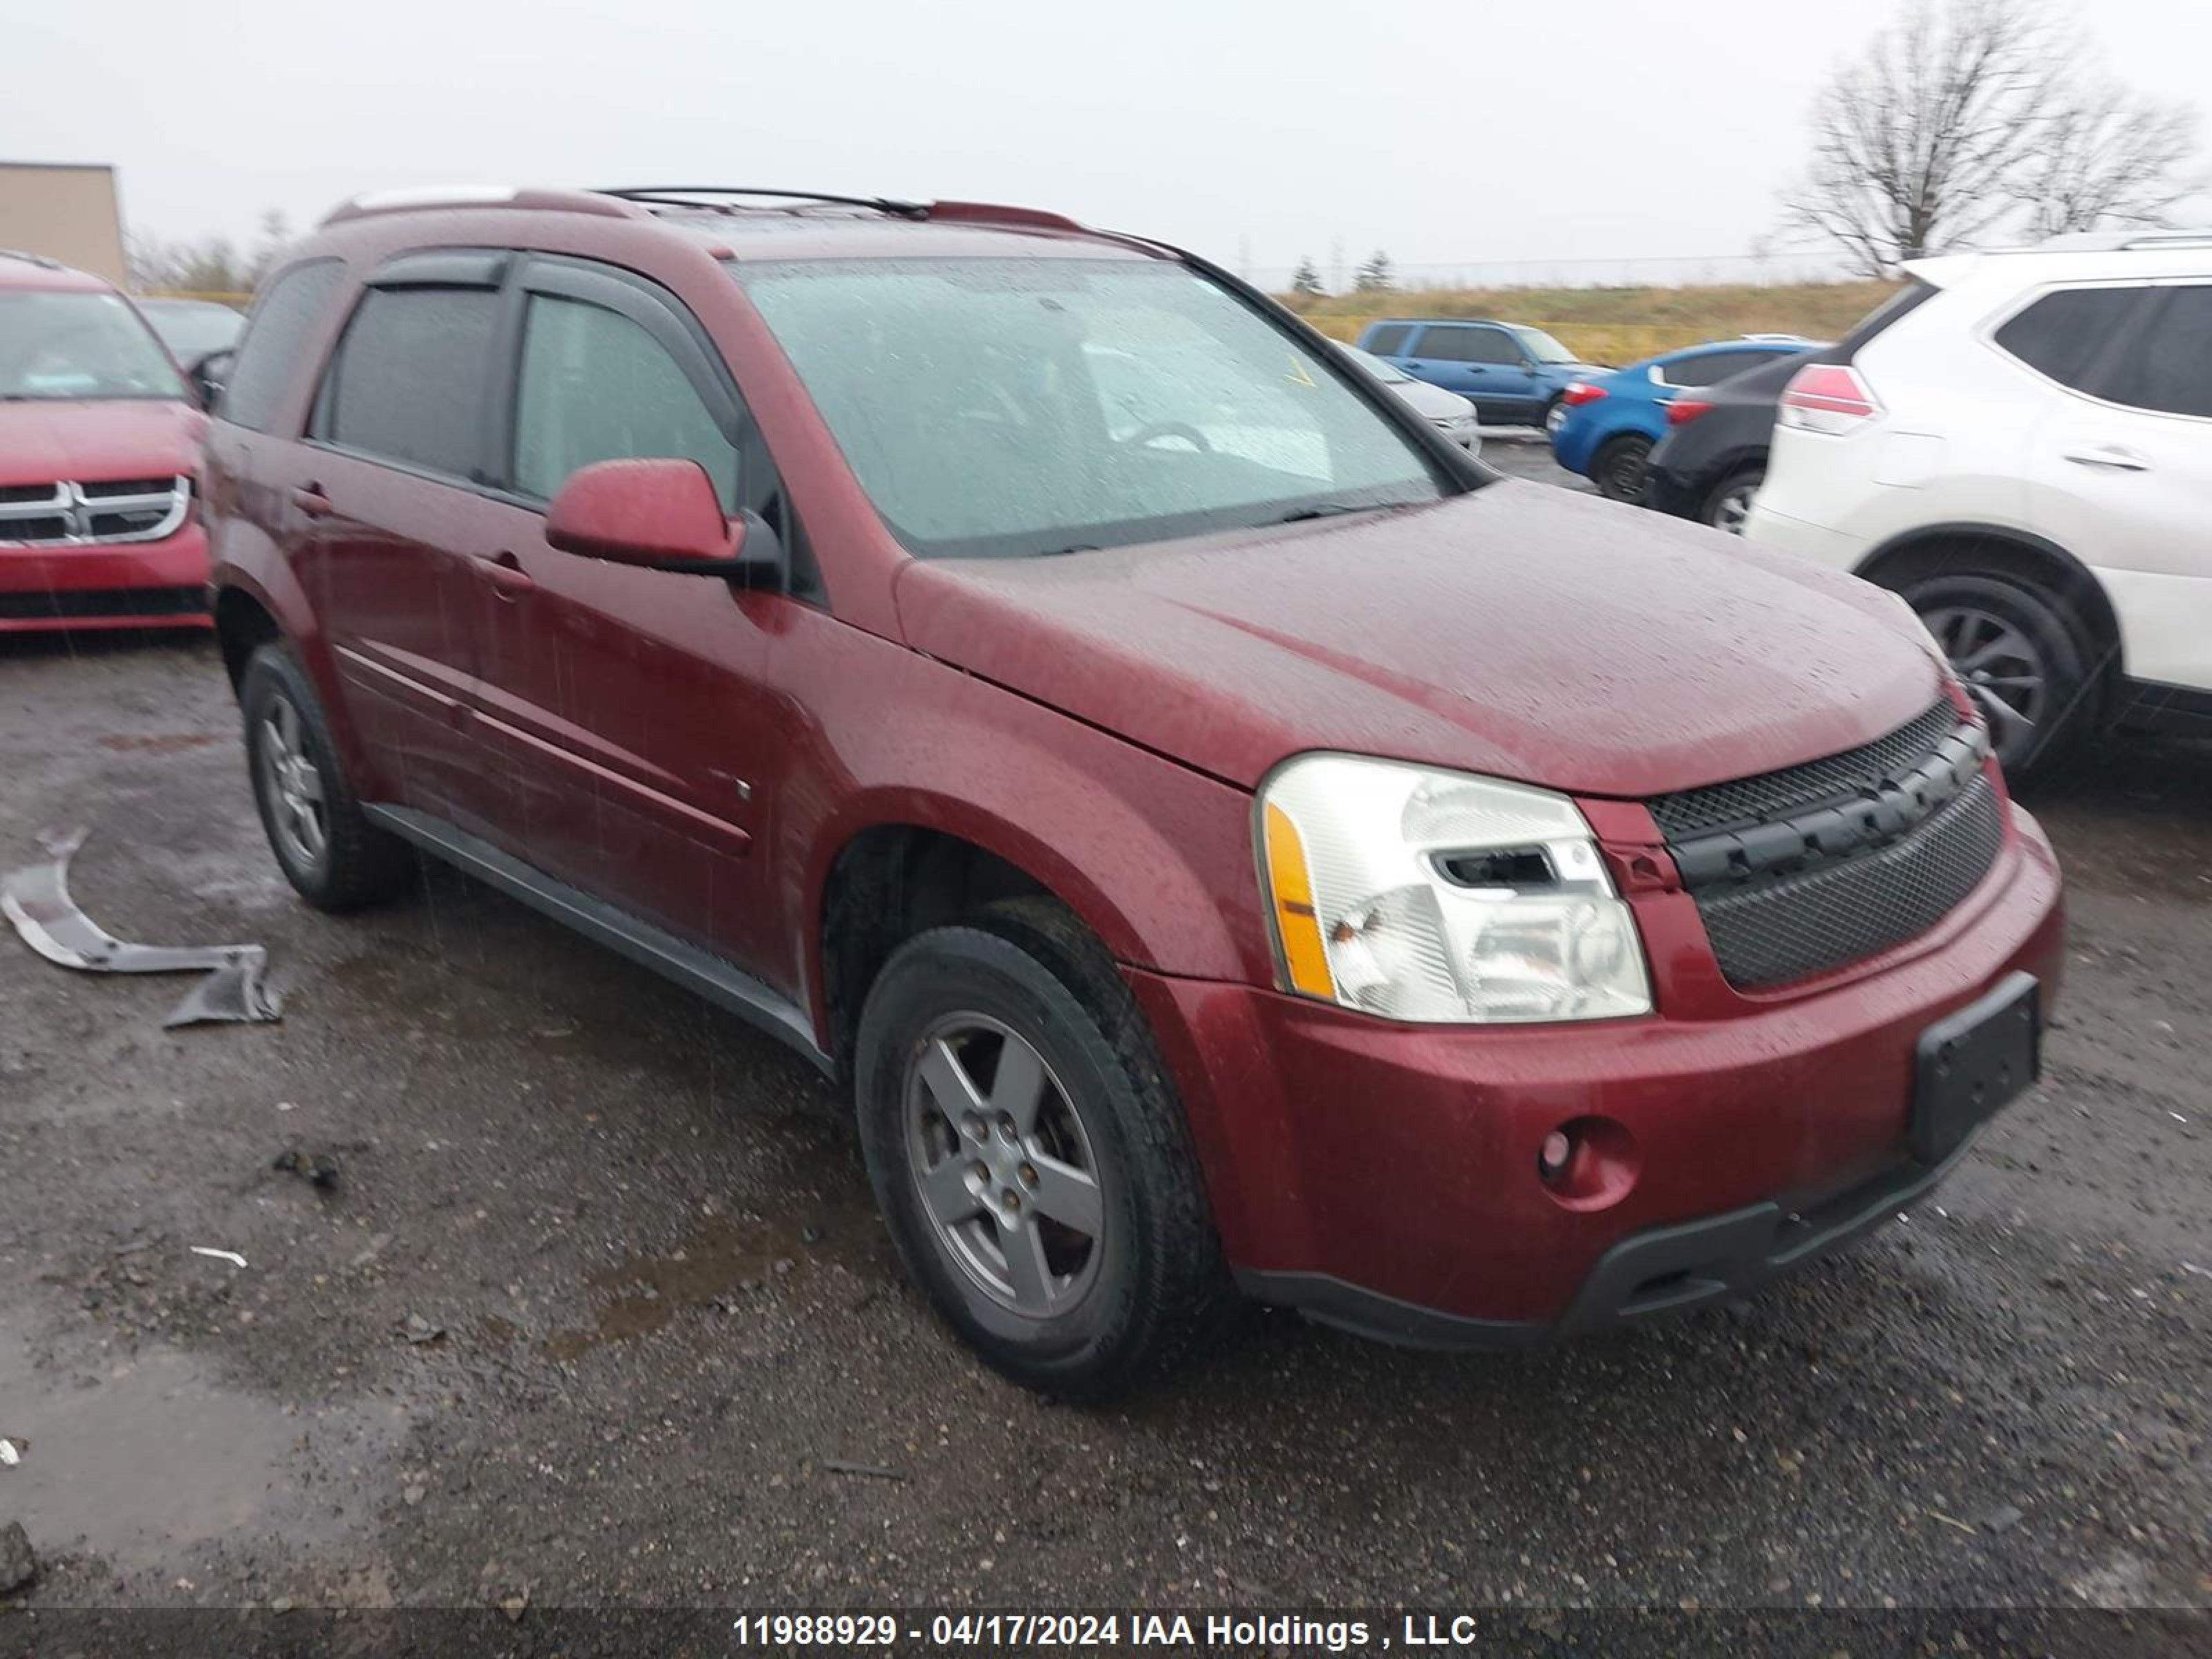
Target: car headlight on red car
pixel 1441 897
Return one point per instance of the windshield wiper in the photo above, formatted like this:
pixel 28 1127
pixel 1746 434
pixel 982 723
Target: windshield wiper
pixel 1328 510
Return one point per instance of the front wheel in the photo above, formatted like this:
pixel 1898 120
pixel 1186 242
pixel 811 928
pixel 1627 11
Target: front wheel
pixel 1030 1157
pixel 2019 653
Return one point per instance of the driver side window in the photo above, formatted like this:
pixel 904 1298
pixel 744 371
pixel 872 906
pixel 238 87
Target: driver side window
pixel 595 386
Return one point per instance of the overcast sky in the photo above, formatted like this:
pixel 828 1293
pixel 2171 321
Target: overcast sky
pixel 1445 131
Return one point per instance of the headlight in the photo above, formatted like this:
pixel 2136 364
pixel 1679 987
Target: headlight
pixel 1437 896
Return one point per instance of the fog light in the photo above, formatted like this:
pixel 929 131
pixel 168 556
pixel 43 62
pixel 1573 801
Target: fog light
pixel 1552 1157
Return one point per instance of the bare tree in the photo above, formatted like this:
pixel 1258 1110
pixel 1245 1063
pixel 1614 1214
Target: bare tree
pixel 2106 157
pixel 1968 115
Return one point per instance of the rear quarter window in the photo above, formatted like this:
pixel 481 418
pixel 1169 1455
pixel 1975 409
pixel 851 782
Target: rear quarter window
pixel 269 357
pixel 2067 335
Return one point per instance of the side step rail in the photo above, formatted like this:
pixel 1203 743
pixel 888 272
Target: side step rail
pixel 696 970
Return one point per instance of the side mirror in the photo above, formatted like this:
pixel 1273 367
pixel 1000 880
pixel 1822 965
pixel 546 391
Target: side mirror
pixel 210 375
pixel 661 514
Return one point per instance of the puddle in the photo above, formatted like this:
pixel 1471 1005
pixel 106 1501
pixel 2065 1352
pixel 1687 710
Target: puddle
pixel 723 1258
pixel 139 1460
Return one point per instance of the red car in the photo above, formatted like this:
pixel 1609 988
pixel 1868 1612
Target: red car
pixel 1226 838
pixel 99 440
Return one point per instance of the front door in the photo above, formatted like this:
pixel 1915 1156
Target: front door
pixel 626 708
pixel 1480 362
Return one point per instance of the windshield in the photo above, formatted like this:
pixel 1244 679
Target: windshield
pixel 1542 346
pixel 60 345
pixel 1016 407
pixel 192 331
pixel 1386 373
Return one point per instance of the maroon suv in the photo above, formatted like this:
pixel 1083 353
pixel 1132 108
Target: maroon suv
pixel 1227 838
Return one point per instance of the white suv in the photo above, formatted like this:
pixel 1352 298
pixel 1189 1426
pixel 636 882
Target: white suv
pixel 2021 444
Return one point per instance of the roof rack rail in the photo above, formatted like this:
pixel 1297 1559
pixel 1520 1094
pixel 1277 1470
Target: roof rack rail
pixel 2124 241
pixel 31 258
pixel 432 197
pixel 682 196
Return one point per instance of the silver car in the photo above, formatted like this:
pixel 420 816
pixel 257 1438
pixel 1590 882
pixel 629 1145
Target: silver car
pixel 1450 414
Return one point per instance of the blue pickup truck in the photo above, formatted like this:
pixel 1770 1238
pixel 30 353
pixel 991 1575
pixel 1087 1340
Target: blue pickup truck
pixel 1512 373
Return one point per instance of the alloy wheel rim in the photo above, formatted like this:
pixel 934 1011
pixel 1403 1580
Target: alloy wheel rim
pixel 293 785
pixel 1003 1166
pixel 1734 507
pixel 1555 418
pixel 2002 668
pixel 1624 472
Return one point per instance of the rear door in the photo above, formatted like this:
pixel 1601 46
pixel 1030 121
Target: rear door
pixel 2120 472
pixel 1478 360
pixel 625 709
pixel 389 501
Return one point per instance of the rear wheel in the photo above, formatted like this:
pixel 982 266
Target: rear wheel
pixel 2020 651
pixel 330 852
pixel 1555 414
pixel 1623 468
pixel 1729 504
pixel 1030 1157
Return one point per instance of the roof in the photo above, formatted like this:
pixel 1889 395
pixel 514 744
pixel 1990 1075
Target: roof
pixel 20 270
pixel 735 224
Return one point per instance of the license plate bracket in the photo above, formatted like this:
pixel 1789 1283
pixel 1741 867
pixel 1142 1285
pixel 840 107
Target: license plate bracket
pixel 1970 1063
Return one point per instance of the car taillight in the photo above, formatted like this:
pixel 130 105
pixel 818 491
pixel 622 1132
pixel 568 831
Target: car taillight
pixel 1828 398
pixel 1683 411
pixel 1579 392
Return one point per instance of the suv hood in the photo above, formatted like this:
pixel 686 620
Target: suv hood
pixel 1518 631
pixel 43 440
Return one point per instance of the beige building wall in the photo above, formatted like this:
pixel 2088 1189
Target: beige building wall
pixel 67 213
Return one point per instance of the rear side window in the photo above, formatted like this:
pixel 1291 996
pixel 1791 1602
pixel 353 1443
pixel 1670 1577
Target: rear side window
pixel 597 387
pixel 1711 369
pixel 268 355
pixel 2167 367
pixel 1390 341
pixel 408 381
pixel 1469 345
pixel 2068 334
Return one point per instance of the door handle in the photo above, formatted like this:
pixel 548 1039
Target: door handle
pixel 310 501
pixel 2111 457
pixel 509 580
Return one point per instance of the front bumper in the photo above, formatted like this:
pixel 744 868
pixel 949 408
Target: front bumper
pixel 1384 1176
pixel 128 585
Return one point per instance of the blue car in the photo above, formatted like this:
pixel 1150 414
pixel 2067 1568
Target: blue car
pixel 1609 424
pixel 1512 373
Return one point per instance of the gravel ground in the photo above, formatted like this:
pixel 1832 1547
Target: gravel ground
pixel 664 1339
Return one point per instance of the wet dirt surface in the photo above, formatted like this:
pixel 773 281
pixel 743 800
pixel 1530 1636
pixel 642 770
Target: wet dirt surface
pixel 597 1305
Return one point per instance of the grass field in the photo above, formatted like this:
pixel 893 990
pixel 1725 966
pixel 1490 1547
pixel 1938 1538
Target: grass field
pixel 1617 325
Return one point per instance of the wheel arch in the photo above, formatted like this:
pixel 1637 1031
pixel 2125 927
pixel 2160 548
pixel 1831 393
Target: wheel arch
pixel 1918 554
pixel 896 875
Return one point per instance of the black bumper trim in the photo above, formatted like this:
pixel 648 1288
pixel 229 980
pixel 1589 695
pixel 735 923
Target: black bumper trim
pixel 1646 1276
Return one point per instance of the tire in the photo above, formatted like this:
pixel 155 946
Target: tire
pixel 1554 412
pixel 1622 468
pixel 2023 654
pixel 346 862
pixel 1730 500
pixel 1098 1312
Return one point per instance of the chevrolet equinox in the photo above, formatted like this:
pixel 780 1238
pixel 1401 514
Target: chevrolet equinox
pixel 1227 838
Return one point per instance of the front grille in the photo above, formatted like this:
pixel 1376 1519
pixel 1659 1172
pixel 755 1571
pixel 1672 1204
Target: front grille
pixel 69 514
pixel 1814 867
pixel 103 602
pixel 1771 933
pixel 1794 788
